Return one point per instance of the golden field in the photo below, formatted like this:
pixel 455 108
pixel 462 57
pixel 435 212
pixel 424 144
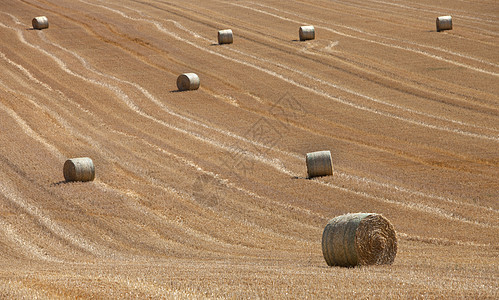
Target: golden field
pixel 203 194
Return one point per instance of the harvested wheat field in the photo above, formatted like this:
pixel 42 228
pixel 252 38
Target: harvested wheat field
pixel 204 193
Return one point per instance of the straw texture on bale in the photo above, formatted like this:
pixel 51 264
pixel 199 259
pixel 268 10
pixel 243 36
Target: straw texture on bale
pixel 307 33
pixel 40 22
pixel 225 36
pixel 359 239
pixel 79 169
pixel 188 81
pixel 319 164
pixel 444 23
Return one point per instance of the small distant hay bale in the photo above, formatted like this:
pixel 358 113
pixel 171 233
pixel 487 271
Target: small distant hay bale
pixel 307 33
pixel 359 239
pixel 188 81
pixel 319 164
pixel 444 23
pixel 40 22
pixel 79 169
pixel 225 36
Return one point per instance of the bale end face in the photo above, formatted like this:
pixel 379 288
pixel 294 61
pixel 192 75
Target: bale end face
pixel 225 37
pixel 188 81
pixel 40 23
pixel 79 169
pixel 359 239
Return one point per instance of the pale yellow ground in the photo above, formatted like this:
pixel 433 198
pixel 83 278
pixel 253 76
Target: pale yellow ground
pixel 202 194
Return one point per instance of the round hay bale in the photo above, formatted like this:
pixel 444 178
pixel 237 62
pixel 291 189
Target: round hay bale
pixel 79 169
pixel 40 22
pixel 188 81
pixel 225 36
pixel 307 33
pixel 359 239
pixel 444 23
pixel 319 164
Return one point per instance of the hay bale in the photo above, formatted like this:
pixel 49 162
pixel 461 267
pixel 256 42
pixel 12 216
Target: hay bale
pixel 319 164
pixel 444 23
pixel 307 33
pixel 225 36
pixel 188 81
pixel 359 239
pixel 79 169
pixel 40 22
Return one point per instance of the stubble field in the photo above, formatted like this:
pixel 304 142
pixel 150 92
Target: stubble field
pixel 203 194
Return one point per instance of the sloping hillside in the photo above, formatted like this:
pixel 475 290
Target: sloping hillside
pixel 203 194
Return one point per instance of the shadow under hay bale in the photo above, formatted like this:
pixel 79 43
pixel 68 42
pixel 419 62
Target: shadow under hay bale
pixel 359 239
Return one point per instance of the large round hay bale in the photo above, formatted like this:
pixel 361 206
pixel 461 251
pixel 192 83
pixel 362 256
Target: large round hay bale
pixel 307 33
pixel 319 164
pixel 79 169
pixel 40 22
pixel 444 23
pixel 188 81
pixel 359 239
pixel 225 36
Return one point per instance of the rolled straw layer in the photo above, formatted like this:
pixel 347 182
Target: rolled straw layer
pixel 359 239
pixel 188 81
pixel 319 164
pixel 444 23
pixel 79 169
pixel 40 22
pixel 225 36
